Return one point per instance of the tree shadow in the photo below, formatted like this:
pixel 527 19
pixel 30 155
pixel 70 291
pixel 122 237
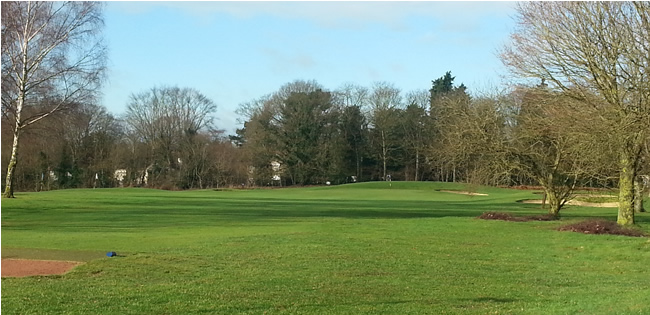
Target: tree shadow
pixel 491 299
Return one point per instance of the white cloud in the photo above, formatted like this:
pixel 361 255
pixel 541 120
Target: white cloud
pixel 283 62
pixel 429 37
pixel 372 73
pixel 398 68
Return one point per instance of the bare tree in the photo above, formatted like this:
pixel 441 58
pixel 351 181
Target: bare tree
pixel 546 149
pixel 166 119
pixel 52 57
pixel 599 53
pixel 450 114
pixel 350 94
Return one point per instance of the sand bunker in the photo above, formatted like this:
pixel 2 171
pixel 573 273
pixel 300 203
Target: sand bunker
pixel 463 192
pixel 577 203
pixel 28 267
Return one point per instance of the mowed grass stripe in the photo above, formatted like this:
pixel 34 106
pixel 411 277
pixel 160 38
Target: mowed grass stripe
pixel 351 249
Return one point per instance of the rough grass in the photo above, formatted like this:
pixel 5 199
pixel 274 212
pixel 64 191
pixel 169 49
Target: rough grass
pixel 51 254
pixel 353 249
pixel 596 199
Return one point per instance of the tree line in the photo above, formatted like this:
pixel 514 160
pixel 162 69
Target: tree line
pixel 167 139
pixel 578 115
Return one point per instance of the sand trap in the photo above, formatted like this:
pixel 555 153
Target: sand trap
pixel 28 267
pixel 463 192
pixel 577 203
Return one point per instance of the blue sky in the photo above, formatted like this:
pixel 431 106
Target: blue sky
pixel 234 52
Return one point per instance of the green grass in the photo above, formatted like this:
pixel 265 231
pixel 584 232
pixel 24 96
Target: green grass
pixel 351 249
pixel 597 199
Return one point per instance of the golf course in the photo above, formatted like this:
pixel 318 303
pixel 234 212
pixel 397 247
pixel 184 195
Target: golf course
pixel 363 248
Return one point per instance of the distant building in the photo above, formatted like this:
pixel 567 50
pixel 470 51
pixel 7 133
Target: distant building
pixel 119 175
pixel 276 167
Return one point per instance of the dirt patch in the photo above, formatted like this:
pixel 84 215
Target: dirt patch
pixel 463 192
pixel 509 217
pixel 28 267
pixel 577 203
pixel 601 227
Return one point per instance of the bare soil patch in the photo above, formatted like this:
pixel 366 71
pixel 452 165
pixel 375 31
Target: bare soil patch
pixel 596 226
pixel 460 192
pixel 577 203
pixel 28 267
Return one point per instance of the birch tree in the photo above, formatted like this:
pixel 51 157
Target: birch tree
pixel 53 57
pixel 599 53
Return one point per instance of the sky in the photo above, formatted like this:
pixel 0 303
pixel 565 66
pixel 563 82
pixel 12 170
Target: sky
pixel 235 52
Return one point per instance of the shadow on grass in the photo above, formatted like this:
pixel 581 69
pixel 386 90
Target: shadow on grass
pixel 233 211
pixel 493 300
pixel 177 210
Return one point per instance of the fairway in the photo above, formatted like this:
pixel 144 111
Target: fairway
pixel 362 248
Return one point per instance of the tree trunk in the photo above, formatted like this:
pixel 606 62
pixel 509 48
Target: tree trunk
pixel 360 169
pixel 554 203
pixel 9 184
pixel 453 177
pixel 20 102
pixel 383 152
pixel 626 190
pixel 358 173
pixel 417 163
pixel 639 187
